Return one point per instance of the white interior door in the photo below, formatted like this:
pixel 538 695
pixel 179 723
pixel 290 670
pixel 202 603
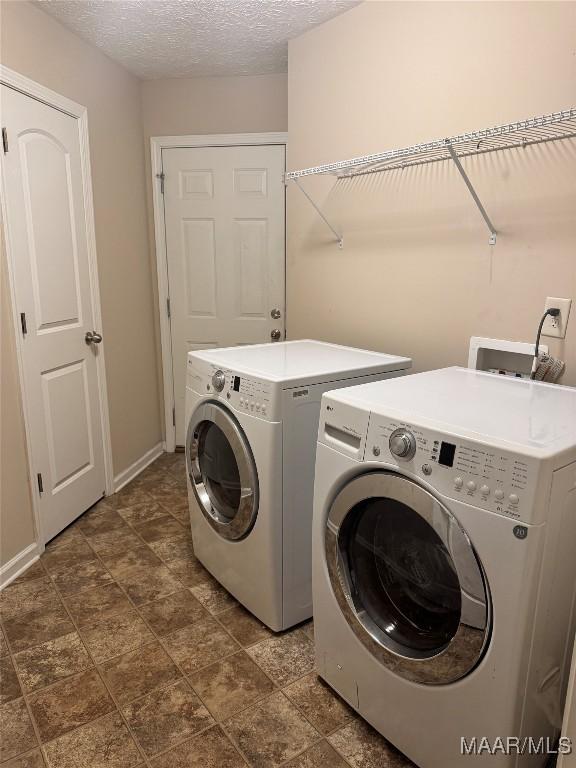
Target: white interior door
pixel 47 234
pixel 225 245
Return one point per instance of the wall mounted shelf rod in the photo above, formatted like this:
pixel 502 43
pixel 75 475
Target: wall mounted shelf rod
pixel 339 238
pixel 521 134
pixel 462 172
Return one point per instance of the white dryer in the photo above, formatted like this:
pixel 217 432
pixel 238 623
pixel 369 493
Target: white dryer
pixel 444 565
pixel 252 420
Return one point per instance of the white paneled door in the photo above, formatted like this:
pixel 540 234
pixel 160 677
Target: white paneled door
pixel 47 235
pixel 224 211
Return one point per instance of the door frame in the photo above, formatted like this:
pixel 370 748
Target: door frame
pixel 45 95
pixel 157 144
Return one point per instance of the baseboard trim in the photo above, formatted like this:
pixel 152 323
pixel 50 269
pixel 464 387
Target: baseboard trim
pixel 128 474
pixel 19 563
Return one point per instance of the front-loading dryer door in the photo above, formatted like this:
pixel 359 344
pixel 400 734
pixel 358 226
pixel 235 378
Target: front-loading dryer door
pixel 222 470
pixel 407 578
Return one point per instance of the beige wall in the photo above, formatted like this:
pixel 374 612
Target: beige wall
pixel 208 105
pixel 39 47
pixel 215 105
pixel 417 275
pixel 16 516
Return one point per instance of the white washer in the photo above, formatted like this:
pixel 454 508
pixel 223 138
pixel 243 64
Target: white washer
pixel 444 567
pixel 252 420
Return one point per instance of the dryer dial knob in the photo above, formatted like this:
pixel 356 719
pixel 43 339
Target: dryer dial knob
pixel 218 381
pixel 402 444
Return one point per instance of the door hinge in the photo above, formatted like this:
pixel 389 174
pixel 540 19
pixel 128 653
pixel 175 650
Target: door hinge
pixel 5 140
pixel 23 323
pixel 173 417
pixel 40 483
pixel 161 176
pixel 168 308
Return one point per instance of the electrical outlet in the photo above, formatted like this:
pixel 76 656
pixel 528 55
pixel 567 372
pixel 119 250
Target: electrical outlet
pixel 556 326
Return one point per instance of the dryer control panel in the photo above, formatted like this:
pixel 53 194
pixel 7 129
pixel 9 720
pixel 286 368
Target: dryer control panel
pixel 244 393
pixel 486 477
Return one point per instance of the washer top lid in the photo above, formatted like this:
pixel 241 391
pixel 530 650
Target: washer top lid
pixel 299 362
pixel 535 417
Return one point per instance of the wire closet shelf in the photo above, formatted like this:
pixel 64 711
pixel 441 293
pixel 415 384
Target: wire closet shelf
pixel 524 133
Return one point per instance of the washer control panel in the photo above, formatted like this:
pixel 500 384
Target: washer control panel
pixel 496 480
pixel 246 394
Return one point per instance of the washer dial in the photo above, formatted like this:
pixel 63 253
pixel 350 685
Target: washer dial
pixel 402 444
pixel 218 381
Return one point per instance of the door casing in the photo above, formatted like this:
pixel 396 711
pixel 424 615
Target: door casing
pixel 39 92
pixel 157 144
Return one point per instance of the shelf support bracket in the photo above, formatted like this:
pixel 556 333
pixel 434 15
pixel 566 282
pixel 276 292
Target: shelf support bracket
pixel 462 172
pixel 339 238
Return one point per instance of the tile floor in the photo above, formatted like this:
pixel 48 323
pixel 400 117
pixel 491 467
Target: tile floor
pixel 118 650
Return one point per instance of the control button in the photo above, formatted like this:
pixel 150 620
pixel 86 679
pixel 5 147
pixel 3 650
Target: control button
pixel 458 482
pixel 485 491
pixel 257 406
pixel 499 494
pixel 513 498
pixel 427 469
pixel 264 408
pixel 402 444
pixel 218 381
pixel 376 450
pixel 471 485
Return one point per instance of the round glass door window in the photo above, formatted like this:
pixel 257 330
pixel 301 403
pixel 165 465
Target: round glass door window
pixel 222 471
pixel 407 578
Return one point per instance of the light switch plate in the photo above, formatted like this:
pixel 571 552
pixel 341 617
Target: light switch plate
pixel 556 326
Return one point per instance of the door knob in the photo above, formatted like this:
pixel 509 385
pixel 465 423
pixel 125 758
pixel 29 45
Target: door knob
pixel 275 314
pixel 93 338
pixel 276 334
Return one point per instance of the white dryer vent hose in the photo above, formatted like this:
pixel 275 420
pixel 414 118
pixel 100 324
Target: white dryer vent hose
pixel 548 368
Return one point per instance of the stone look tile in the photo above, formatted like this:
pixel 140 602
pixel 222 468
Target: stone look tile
pixel 98 603
pixel 114 635
pixel 146 583
pixel 231 684
pixel 200 644
pixel 86 575
pixel 29 760
pixel 173 612
pixel 110 542
pixel 272 732
pixel 16 729
pixel 325 710
pixel 51 661
pixel 142 513
pixel 308 629
pixel 68 535
pixel 363 747
pixel 101 519
pixel 158 528
pixel 213 596
pixel 167 717
pixel 34 571
pixel 28 629
pixel 69 704
pixel 211 749
pixel 27 596
pixel 139 672
pixel 130 496
pixel 67 556
pixel 104 743
pixel 3 645
pixel 141 556
pixel 285 657
pixel 9 685
pixel 247 629
pixel 174 549
pixel 319 756
pixel 190 571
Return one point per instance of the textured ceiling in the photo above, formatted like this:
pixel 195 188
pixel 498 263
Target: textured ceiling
pixel 187 38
